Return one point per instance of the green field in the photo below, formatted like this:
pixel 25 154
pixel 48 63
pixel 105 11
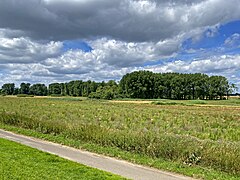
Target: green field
pixel 22 162
pixel 193 134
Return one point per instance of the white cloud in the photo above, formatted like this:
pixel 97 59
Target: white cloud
pixel 90 69
pixel 125 35
pixel 213 64
pixel 24 50
pixel 123 54
pixel 224 65
pixel 232 40
pixel 110 53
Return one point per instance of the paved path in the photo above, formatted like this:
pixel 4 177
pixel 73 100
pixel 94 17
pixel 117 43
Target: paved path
pixel 112 165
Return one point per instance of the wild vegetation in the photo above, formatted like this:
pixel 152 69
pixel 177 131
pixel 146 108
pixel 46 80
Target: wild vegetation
pixel 195 135
pixel 22 162
pixel 139 84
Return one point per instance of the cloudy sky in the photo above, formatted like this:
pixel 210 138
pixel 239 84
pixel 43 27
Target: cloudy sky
pixel 57 40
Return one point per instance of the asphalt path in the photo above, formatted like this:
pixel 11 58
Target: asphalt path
pixel 115 166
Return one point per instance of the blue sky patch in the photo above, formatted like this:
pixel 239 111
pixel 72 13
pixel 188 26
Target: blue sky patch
pixel 224 32
pixel 76 45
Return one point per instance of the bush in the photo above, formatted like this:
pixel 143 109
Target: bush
pixel 56 95
pixel 25 95
pixel 94 95
pixel 166 103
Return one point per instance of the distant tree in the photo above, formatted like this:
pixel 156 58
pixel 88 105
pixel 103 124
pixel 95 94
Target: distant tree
pixel 64 90
pixel 111 83
pixel 86 88
pixel 78 88
pixel 24 88
pixel 16 91
pixel 8 88
pixel 139 84
pixel 105 92
pixel 69 88
pixel 94 86
pixel 38 90
pixel 54 88
pixel 231 88
pixel 145 84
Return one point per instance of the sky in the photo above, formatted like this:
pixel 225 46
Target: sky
pixel 46 41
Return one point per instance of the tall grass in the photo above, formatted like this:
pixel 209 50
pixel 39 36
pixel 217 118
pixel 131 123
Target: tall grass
pixel 192 135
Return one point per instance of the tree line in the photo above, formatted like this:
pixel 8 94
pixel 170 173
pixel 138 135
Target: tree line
pixel 149 85
pixel 73 88
pixel 138 84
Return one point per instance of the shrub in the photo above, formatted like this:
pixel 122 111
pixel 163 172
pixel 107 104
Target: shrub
pixel 24 95
pixel 56 95
pixel 166 103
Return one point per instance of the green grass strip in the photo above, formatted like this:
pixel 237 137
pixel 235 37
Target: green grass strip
pixel 21 162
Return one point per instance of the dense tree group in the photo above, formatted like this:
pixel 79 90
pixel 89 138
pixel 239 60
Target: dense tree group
pixel 138 84
pixel 74 88
pixel 145 84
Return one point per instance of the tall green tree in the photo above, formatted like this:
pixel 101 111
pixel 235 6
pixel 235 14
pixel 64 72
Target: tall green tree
pixel 8 88
pixel 55 88
pixel 145 84
pixel 24 88
pixel 38 90
pixel 139 84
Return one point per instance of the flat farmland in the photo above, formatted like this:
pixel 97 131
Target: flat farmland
pixel 193 133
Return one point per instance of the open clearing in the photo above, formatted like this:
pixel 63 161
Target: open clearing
pixel 202 141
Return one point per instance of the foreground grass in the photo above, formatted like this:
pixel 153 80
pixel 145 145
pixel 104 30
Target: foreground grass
pixel 22 162
pixel 197 136
pixel 159 163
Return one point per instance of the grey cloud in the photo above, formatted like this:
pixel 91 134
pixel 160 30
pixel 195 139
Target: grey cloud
pixel 24 50
pixel 9 33
pixel 44 73
pixel 127 20
pixel 64 71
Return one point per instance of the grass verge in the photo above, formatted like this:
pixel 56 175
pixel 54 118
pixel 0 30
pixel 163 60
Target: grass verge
pixel 22 162
pixel 193 171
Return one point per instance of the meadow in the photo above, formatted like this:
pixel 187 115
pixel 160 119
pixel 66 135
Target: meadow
pixel 22 162
pixel 192 133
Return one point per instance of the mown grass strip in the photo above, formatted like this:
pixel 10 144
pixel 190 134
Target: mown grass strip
pixel 21 162
pixel 159 163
